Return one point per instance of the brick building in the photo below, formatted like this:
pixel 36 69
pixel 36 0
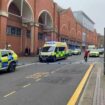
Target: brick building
pixel 100 41
pixel 29 23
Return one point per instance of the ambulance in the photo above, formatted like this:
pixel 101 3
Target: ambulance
pixel 53 51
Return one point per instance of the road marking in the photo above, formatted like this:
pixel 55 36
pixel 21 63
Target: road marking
pixel 9 94
pixel 25 65
pixel 73 62
pixel 46 75
pixel 26 85
pixel 80 87
pixel 37 80
pixel 37 75
pixel 59 69
pixel 52 72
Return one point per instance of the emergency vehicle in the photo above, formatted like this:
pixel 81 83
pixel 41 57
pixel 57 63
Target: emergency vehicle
pixel 53 51
pixel 91 47
pixel 8 60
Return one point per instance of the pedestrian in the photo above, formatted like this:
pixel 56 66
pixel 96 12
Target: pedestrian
pixel 26 51
pixel 29 51
pixel 86 54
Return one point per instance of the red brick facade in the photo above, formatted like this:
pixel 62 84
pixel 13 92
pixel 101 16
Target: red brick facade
pixel 58 25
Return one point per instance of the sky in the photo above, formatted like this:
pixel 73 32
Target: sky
pixel 94 9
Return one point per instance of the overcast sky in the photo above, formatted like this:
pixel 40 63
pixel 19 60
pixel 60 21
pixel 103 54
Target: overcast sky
pixel 93 8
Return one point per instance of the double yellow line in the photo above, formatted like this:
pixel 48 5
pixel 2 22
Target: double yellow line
pixel 73 100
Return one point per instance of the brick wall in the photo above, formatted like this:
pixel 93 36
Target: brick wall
pixel 64 25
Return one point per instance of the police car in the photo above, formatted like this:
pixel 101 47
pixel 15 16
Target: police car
pixel 8 60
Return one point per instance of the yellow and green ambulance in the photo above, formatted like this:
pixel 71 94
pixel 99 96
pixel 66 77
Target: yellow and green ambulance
pixel 8 60
pixel 94 53
pixel 53 51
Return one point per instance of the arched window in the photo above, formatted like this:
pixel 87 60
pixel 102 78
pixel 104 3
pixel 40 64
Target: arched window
pixel 14 9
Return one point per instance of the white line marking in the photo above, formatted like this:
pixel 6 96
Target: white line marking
pixel 26 85
pixel 52 72
pixel 38 79
pixel 46 75
pixel 25 65
pixel 59 69
pixel 9 94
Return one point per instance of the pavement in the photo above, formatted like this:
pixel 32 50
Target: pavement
pixel 27 60
pixel 94 91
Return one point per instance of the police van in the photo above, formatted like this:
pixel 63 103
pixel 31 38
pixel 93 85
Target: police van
pixel 53 51
pixel 8 60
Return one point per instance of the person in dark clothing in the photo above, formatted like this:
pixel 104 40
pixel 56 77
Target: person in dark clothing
pixel 26 51
pixel 29 53
pixel 86 54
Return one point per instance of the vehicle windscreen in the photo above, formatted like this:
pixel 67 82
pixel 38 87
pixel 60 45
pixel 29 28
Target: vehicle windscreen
pixel 94 50
pixel 48 49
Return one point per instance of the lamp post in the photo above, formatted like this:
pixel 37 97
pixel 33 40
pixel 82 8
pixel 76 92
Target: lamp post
pixel 104 51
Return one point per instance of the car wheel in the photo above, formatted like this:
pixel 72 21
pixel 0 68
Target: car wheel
pixel 12 67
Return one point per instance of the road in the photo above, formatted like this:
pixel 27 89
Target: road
pixel 43 83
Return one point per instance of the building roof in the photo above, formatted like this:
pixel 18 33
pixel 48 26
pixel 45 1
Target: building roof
pixel 59 8
pixel 84 15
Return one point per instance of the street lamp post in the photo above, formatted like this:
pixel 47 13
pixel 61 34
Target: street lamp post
pixel 104 51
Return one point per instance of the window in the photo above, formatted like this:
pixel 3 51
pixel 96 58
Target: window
pixel 8 30
pixel 13 31
pixel 18 32
pixel 4 54
pixel 56 49
pixel 40 36
pixel 48 49
pixel 10 53
pixel 61 48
